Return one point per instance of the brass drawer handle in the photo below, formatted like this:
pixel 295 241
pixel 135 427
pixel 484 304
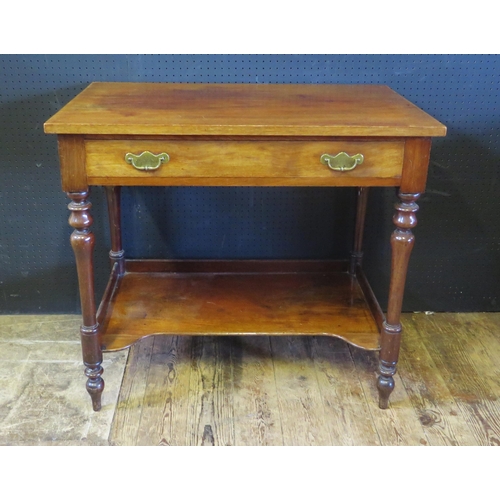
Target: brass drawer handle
pixel 146 160
pixel 342 162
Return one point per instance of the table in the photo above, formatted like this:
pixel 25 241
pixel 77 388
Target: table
pixel 160 134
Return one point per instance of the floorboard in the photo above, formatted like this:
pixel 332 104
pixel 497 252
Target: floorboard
pixel 253 390
pixel 257 418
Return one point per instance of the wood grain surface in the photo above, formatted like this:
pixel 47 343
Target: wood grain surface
pixel 263 391
pixel 266 303
pixel 242 109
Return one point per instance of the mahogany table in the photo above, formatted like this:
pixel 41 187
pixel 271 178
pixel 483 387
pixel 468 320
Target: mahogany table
pixel 149 134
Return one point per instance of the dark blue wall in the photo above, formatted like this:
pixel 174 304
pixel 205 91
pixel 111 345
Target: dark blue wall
pixel 456 262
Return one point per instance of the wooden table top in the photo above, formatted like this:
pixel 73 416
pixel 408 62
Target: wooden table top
pixel 242 109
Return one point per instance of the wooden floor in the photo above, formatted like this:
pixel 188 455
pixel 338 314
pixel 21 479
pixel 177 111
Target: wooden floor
pixel 256 390
pixel 265 391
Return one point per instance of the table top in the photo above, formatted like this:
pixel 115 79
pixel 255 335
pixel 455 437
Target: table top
pixel 242 110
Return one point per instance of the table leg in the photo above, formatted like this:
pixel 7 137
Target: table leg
pixel 357 253
pixel 402 241
pixel 82 241
pixel 116 254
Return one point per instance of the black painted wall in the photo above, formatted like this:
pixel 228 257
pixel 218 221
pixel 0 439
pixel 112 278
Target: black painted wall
pixel 456 262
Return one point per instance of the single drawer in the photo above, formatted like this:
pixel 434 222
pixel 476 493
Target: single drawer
pixel 243 162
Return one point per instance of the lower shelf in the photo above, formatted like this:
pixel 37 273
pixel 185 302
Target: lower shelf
pixel 238 298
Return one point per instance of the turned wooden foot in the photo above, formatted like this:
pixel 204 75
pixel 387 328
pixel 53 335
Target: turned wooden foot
pixel 402 241
pixel 387 363
pixel 95 385
pixel 385 383
pixel 92 359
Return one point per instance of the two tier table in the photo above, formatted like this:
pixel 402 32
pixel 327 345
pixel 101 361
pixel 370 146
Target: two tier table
pixel 161 134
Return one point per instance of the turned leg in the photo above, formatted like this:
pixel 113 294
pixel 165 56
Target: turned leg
pixel 82 241
pixel 402 241
pixel 116 254
pixel 357 253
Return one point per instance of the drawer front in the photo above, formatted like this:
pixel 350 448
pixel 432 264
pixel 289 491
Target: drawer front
pixel 245 162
